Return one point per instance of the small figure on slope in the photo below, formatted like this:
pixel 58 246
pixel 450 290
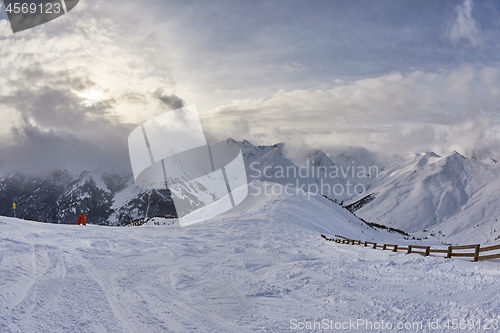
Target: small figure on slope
pixel 82 219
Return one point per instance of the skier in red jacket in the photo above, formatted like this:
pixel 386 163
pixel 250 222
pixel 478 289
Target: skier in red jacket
pixel 81 219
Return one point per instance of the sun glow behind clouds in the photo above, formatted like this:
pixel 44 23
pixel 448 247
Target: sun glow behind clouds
pixel 90 98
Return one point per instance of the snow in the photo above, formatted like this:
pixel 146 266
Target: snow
pixel 261 267
pixel 451 196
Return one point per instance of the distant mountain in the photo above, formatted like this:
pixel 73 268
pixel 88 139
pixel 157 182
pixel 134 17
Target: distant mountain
pixel 450 197
pixel 337 176
pixel 353 156
pixel 58 197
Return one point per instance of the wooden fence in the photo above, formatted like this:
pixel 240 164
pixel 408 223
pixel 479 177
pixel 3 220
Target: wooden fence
pixel 451 251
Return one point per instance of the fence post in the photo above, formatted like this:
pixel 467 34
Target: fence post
pixel 409 248
pixel 395 248
pixel 476 253
pixel 352 242
pixel 374 245
pixel 384 247
pixel 366 243
pixel 427 250
pixel 448 254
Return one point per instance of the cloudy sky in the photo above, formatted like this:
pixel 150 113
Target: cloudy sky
pixel 392 76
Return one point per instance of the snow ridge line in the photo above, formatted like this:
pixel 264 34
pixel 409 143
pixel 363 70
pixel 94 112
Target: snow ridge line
pixel 427 250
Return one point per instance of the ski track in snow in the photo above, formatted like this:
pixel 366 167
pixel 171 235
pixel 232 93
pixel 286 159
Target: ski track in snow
pixel 248 271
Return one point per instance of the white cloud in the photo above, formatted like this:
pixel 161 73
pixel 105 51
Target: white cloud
pixel 294 68
pixel 463 27
pixel 395 113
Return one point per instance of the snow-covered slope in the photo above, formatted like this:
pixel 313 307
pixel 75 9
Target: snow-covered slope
pixel 261 267
pixel 452 197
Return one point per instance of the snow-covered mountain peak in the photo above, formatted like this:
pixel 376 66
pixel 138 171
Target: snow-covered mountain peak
pixel 352 156
pixel 253 153
pixel 425 158
pixel 430 154
pixel 320 159
pixel 456 154
pixel 245 144
pixel 452 194
pixel 456 163
pixel 280 148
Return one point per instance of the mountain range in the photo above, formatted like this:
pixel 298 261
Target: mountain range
pixel 451 198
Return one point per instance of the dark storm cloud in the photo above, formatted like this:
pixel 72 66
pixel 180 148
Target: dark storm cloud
pixel 171 101
pixel 38 150
pixel 48 99
pixel 56 128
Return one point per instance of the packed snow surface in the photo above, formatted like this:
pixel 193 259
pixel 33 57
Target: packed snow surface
pixel 261 267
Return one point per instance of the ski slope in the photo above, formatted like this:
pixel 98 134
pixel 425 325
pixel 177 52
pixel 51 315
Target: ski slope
pixel 261 267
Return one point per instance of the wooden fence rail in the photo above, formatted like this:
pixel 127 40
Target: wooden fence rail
pixel 427 249
pixel 451 251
